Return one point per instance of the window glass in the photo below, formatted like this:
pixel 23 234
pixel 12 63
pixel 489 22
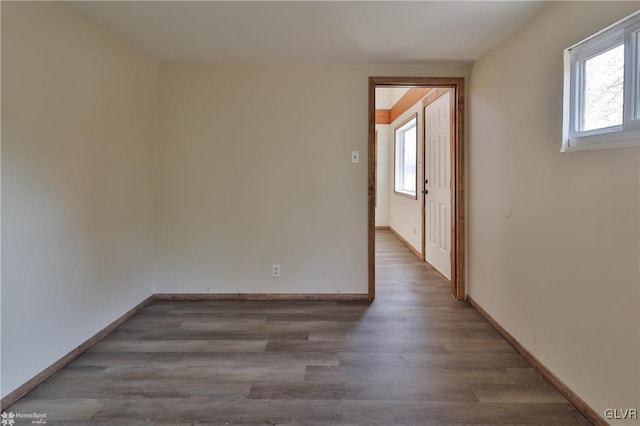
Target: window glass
pixel 636 90
pixel 410 160
pixel 406 137
pixel 603 89
pixel 601 97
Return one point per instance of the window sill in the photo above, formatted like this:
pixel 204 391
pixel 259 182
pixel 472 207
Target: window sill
pixel 621 139
pixel 406 195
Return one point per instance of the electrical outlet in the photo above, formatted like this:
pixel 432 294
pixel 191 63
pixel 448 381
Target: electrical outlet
pixel 355 156
pixel 275 271
pixel 414 231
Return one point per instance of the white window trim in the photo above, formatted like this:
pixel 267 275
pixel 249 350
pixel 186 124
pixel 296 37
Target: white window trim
pixel 627 134
pixel 399 171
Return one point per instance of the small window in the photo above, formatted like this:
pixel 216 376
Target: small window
pixel 602 89
pixel 406 152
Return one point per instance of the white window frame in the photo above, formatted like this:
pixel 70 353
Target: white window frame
pixel 398 163
pixel 626 134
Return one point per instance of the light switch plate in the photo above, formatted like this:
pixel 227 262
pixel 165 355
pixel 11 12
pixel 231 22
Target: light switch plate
pixel 355 156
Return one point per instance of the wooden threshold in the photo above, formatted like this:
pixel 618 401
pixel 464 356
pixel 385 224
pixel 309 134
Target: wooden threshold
pixel 570 395
pixel 31 384
pixel 260 296
pixel 383 228
pixel 406 243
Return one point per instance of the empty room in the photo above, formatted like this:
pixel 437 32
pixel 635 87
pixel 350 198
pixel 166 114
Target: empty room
pixel 320 213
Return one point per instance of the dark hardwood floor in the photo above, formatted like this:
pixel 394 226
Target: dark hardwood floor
pixel 414 357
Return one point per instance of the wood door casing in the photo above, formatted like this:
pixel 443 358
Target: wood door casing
pixel 457 87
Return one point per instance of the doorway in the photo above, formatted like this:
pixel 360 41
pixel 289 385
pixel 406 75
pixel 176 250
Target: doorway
pixel 449 90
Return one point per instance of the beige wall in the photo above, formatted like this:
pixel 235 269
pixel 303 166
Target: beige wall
pixel 78 119
pixel 554 237
pixel 255 169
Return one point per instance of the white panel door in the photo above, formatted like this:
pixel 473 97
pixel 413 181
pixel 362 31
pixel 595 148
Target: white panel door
pixel 437 184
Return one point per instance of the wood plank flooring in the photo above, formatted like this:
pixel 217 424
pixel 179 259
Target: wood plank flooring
pixel 414 357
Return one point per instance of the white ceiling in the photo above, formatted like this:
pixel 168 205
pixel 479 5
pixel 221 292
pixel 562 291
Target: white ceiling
pixel 309 31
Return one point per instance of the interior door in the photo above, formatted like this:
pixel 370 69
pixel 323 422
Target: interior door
pixel 437 188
